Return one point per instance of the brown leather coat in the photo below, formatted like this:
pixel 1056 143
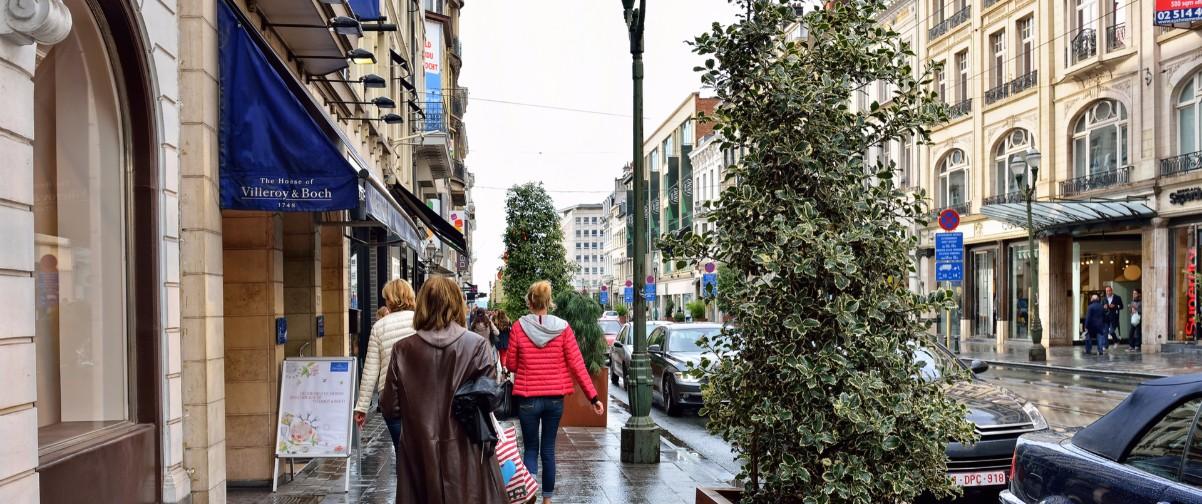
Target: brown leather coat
pixel 436 463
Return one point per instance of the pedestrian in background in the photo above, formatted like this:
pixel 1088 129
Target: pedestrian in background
pixel 1096 325
pixel 545 359
pixel 395 321
pixel 1113 303
pixel 437 463
pixel 483 325
pixel 501 321
pixel 1137 308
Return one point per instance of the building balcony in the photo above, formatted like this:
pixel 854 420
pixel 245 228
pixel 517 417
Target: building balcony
pixel 434 145
pixel 1010 197
pixel 1024 82
pixel 1181 164
pixel 960 109
pixel 1082 46
pixel 947 24
pixel 1095 181
pixel 996 93
pixel 962 208
pixel 458 183
pixel 1117 37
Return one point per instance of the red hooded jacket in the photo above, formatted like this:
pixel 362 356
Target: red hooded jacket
pixel 545 359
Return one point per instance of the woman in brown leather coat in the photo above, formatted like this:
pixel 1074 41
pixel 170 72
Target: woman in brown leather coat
pixel 436 462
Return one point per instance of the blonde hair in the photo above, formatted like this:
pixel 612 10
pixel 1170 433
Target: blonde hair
pixel 398 296
pixel 439 304
pixel 539 296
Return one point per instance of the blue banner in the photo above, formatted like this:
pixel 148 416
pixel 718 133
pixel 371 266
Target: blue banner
pixel 273 154
pixel 366 9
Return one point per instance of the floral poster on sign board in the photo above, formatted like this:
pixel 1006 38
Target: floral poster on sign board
pixel 315 408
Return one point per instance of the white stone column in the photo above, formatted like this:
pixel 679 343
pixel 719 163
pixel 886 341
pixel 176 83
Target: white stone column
pixel 21 25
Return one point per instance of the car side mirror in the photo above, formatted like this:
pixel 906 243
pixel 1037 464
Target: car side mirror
pixel 654 349
pixel 978 366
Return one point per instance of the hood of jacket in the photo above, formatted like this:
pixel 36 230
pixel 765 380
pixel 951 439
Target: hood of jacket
pixel 444 337
pixel 542 330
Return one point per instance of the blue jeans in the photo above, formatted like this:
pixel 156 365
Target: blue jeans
pixel 531 412
pixel 394 430
pixel 1100 337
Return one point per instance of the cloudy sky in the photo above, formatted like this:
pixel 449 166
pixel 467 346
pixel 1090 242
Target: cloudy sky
pixel 551 95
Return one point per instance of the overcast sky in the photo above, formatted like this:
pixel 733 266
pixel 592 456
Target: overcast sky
pixel 564 54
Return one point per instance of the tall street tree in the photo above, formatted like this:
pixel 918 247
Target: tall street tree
pixel 533 246
pixel 817 389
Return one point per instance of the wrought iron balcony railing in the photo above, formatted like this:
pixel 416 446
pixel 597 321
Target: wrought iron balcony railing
pixel 1116 37
pixel 1024 82
pixel 1181 164
pixel 1082 46
pixel 962 208
pixel 946 25
pixel 960 109
pixel 989 3
pixel 1094 181
pixel 1010 197
pixel 997 93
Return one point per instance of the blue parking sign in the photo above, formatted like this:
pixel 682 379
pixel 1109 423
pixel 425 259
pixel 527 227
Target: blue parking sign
pixel 604 297
pixel 949 246
pixel 649 291
pixel 949 271
pixel 628 295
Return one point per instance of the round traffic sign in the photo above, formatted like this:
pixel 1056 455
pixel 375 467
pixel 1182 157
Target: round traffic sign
pixel 604 288
pixel 650 278
pixel 709 267
pixel 629 283
pixel 949 219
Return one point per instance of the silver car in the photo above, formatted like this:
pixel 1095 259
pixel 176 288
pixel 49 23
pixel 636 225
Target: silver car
pixel 619 352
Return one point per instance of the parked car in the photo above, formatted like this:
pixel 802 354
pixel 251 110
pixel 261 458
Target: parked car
pixel 610 327
pixel 623 346
pixel 673 349
pixel 610 314
pixel 1147 449
pixel 998 415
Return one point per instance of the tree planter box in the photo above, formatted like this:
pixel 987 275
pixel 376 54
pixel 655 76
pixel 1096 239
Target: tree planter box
pixel 577 412
pixel 718 495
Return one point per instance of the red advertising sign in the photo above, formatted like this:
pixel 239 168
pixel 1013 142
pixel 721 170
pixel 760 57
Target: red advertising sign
pixel 1176 12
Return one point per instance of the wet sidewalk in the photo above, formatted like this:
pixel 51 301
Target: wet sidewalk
pixel 588 471
pixel 1117 361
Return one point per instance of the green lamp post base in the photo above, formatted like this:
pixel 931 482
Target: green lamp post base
pixel 640 443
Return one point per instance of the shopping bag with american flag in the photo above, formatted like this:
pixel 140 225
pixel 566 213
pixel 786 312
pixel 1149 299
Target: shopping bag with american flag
pixel 520 485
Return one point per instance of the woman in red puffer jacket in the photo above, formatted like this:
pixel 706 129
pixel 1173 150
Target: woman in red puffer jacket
pixel 545 360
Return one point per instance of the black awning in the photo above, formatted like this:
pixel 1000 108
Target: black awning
pixel 1049 215
pixel 445 230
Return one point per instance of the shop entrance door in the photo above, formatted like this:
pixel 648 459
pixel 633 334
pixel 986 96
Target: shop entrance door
pixel 983 293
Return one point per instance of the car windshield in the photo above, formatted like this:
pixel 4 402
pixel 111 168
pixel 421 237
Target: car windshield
pixel 610 326
pixel 934 363
pixel 685 340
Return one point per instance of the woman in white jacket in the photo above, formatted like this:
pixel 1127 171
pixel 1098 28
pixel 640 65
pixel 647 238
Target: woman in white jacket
pixel 400 302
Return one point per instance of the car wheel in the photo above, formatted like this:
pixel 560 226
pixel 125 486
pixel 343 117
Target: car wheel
pixel 671 407
pixel 613 375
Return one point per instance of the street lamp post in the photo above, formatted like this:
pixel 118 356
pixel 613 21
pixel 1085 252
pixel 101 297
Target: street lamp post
pixel 640 435
pixel 1020 166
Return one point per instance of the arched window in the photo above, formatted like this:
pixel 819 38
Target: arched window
pixel 1017 141
pixel 953 179
pixel 1189 115
pixel 1100 139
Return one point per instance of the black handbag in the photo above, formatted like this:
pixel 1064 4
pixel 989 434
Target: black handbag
pixel 507 408
pixel 471 406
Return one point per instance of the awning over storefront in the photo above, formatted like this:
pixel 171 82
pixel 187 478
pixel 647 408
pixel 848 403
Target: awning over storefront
pixel 1049 215
pixel 278 150
pixel 435 222
pixel 321 51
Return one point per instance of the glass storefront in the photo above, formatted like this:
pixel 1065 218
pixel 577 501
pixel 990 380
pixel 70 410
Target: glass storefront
pixel 983 293
pixel 1019 286
pixel 1098 264
pixel 1184 304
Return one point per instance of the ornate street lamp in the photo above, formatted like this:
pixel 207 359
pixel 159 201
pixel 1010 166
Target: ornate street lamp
pixel 640 435
pixel 1025 169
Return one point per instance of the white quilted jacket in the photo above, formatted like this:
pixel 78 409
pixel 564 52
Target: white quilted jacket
pixel 384 333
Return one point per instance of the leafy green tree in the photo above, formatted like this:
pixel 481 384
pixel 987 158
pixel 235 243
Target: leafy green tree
pixel 823 401
pixel 533 246
pixel 581 312
pixel 696 309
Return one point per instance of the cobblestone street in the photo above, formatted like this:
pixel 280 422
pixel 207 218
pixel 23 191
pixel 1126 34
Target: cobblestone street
pixel 589 471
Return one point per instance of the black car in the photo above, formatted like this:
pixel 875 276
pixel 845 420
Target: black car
pixel 623 346
pixel 1147 449
pixel 673 348
pixel 998 416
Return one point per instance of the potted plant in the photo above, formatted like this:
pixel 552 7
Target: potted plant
pixel 623 313
pixel 819 239
pixel 581 312
pixel 696 309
